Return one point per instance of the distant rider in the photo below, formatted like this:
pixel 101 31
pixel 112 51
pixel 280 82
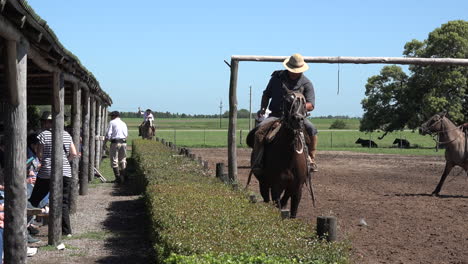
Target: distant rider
pixel 147 116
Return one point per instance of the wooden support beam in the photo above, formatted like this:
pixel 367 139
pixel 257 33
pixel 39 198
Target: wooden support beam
pixel 15 158
pixel 232 147
pixel 104 126
pixel 97 158
pixel 2 5
pixel 359 60
pixel 56 177
pixel 84 171
pixel 76 121
pixel 23 21
pixel 92 138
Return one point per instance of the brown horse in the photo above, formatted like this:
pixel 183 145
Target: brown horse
pixel 454 140
pixel 147 131
pixel 285 157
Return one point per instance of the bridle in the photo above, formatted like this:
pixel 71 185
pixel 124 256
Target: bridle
pixel 443 131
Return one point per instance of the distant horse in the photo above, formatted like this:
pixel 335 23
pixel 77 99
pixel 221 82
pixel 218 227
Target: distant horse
pixel 285 157
pixel 147 131
pixel 401 143
pixel 366 143
pixel 454 140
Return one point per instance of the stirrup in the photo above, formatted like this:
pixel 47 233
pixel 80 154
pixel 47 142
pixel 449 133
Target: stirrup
pixel 313 164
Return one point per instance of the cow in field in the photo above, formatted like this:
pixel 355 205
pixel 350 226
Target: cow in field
pixel 401 143
pixel 366 143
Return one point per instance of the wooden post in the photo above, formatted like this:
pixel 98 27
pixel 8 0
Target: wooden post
pixel 56 177
pixel 97 158
pixel 358 60
pixel 15 159
pixel 205 165
pixel 326 228
pixel 232 147
pixel 103 129
pixel 219 170
pixel 76 119
pixel 92 138
pixel 84 172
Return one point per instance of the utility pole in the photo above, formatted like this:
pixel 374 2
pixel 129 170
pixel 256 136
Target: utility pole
pixel 220 112
pixel 250 107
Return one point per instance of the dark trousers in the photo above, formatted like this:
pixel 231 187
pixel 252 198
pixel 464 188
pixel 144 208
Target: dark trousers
pixel 42 187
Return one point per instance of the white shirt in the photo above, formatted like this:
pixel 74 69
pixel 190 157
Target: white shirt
pixel 117 129
pixel 148 117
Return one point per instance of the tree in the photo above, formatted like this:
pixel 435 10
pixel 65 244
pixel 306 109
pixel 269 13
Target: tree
pixel 394 100
pixel 338 124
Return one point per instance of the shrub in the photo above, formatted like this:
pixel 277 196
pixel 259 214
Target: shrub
pixel 338 124
pixel 198 219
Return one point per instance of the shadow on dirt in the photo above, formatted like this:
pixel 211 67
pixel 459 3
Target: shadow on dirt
pixel 442 196
pixel 128 224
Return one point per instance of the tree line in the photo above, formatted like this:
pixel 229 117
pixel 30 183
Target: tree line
pixel 241 113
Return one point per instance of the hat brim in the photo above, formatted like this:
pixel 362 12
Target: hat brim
pixel 289 67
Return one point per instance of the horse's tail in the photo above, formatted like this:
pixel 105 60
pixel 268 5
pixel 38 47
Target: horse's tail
pixel 249 178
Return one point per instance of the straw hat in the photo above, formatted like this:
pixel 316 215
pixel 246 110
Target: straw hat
pixel 296 63
pixel 46 115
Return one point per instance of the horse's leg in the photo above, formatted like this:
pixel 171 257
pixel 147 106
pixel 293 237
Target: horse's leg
pixel 276 191
pixel 285 198
pixel 295 200
pixel 265 191
pixel 448 168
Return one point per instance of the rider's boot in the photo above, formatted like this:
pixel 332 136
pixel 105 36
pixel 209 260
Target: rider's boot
pixel 117 175
pixel 312 153
pixel 139 131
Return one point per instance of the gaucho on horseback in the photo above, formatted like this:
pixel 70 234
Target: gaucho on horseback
pixel 147 117
pixel 294 80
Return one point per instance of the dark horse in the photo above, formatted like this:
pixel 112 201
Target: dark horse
pixel 454 140
pixel 285 162
pixel 147 131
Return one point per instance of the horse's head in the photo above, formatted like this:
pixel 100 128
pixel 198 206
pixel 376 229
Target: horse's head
pixel 294 108
pixel 433 125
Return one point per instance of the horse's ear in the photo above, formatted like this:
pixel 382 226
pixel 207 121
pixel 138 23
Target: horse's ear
pixel 444 113
pixel 301 90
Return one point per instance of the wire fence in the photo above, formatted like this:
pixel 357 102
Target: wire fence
pixel 328 139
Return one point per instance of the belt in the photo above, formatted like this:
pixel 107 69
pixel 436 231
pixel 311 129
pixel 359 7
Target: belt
pixel 118 141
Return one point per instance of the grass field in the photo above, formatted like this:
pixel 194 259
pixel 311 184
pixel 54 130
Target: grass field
pixel 206 133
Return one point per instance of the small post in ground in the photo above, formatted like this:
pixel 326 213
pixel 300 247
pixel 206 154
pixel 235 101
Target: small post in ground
pixel 326 228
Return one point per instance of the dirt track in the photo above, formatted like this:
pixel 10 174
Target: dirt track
pixel 391 193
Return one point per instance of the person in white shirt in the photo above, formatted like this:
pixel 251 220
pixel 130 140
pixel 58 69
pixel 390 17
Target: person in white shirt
pixel 117 135
pixel 147 117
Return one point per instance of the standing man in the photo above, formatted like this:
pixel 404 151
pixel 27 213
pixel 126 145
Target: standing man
pixel 117 135
pixel 293 79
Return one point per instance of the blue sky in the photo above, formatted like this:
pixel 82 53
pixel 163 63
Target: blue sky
pixel 168 55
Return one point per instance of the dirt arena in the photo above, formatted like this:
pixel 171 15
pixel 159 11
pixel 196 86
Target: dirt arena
pixel 391 194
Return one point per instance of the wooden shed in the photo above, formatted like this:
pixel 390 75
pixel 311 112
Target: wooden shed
pixel 35 69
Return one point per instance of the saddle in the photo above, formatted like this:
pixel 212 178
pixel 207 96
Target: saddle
pixel 265 133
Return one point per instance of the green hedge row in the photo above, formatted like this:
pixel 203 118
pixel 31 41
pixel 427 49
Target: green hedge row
pixel 198 219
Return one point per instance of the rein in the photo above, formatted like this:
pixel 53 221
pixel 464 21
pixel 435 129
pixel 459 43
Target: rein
pixel 445 132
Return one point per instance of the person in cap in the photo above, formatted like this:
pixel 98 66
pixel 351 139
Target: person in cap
pixel 147 117
pixel 294 79
pixel 117 134
pixel 42 184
